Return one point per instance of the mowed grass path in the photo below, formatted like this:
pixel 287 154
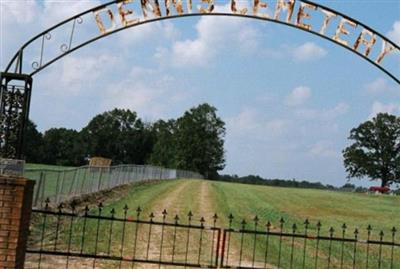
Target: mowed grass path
pixel 204 198
pixel 268 203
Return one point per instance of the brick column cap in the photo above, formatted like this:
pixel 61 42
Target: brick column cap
pixel 15 180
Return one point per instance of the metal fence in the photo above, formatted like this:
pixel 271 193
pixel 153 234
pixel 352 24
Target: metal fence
pixel 107 238
pixel 102 238
pixel 258 245
pixel 62 185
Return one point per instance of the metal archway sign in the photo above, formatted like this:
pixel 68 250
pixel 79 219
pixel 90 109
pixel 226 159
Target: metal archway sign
pixel 117 15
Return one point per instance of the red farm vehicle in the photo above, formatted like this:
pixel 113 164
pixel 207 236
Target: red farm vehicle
pixel 379 189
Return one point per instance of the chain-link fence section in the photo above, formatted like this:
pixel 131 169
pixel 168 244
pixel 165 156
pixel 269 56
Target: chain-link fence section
pixel 62 185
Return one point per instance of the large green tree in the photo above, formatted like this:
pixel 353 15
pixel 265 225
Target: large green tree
pixel 164 149
pixel 119 135
pixel 62 146
pixel 33 143
pixel 200 141
pixel 375 150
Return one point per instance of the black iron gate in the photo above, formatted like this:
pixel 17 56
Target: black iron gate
pixel 113 238
pixel 101 238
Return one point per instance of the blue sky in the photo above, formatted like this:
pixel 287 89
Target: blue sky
pixel 289 98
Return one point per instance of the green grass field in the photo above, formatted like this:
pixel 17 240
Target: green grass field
pixel 204 198
pixel 30 166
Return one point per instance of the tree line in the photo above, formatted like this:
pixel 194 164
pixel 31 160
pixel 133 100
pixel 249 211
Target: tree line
pixel 290 183
pixel 194 141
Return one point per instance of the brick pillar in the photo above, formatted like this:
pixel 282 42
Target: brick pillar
pixel 16 195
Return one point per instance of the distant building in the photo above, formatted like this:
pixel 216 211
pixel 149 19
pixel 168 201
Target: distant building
pixel 99 162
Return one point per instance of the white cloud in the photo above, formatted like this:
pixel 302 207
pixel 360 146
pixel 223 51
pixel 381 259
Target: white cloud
pixel 323 114
pixel 192 52
pixel 308 52
pixel 78 75
pixel 246 120
pixel 155 33
pixel 17 23
pixel 324 149
pixel 378 86
pixel 22 12
pixel 276 126
pixel 250 123
pixel 339 110
pixel 147 91
pixel 298 96
pixel 57 11
pixel 394 33
pixel 213 35
pixel 378 107
pixel 137 98
pixel 86 68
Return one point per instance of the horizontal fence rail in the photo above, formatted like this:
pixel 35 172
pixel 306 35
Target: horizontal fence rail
pixel 62 185
pixel 104 237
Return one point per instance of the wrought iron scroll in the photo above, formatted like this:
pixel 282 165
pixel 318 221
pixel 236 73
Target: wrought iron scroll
pixel 15 94
pixel 64 47
pixel 36 65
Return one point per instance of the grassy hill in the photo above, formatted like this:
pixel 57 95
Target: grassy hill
pixel 204 198
pixel 269 203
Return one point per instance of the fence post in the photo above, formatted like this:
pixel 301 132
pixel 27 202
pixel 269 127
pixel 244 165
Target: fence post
pixel 43 190
pixel 85 170
pixel 37 195
pixel 110 183
pixel 99 183
pixel 57 187
pixel 61 193
pixel 16 196
pixel 71 188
